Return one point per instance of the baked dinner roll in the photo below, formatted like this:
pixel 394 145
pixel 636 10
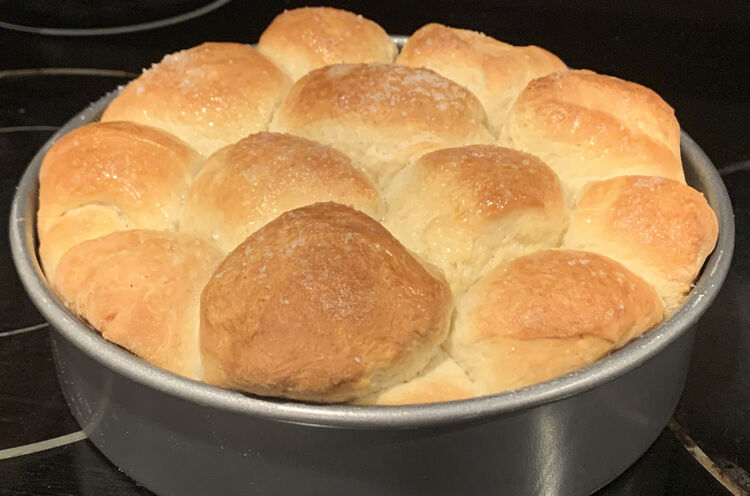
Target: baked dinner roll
pixel 141 290
pixel 546 314
pixel 470 208
pixel 107 177
pixel 659 228
pixel 494 71
pixel 382 115
pixel 304 39
pixel 321 304
pixel 223 221
pixel 441 380
pixel 244 186
pixel 210 96
pixel 589 127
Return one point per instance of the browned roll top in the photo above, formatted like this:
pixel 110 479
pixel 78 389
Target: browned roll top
pixel 661 229
pixel 106 177
pixel 547 313
pixel 246 185
pixel 321 304
pixel 210 95
pixel 494 71
pixel 470 208
pixel 300 40
pixel 587 126
pixel 382 115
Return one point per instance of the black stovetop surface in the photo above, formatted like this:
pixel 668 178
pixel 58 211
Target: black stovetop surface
pixel 57 57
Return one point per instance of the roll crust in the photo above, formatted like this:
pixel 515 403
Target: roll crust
pixel 587 127
pixel 661 229
pixel 321 304
pixel 246 185
pixel 494 71
pixel 548 313
pixel 382 115
pixel 300 40
pixel 210 95
pixel 111 176
pixel 470 208
pixel 141 290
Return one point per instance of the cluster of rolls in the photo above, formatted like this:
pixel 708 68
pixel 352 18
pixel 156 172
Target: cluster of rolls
pixel 326 219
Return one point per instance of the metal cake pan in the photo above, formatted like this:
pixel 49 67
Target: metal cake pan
pixel 568 436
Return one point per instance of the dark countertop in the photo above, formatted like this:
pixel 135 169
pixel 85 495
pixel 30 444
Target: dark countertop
pixel 696 56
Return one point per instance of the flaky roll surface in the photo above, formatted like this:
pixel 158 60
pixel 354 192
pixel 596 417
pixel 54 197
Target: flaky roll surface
pixel 588 126
pixel 548 313
pixel 141 290
pixel 244 186
pixel 300 40
pixel 470 208
pixel 382 115
pixel 321 304
pixel 494 71
pixel 661 229
pixel 210 95
pixel 105 177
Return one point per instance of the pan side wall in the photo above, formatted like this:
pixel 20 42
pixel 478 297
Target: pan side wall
pixel 178 447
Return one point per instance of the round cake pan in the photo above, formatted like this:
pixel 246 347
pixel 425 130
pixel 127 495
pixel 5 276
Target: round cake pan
pixel 568 436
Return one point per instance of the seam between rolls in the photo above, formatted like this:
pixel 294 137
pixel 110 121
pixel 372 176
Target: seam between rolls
pixel 114 208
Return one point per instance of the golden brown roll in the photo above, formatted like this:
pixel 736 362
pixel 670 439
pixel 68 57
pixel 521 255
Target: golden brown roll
pixel 244 186
pixel 659 228
pixel 382 115
pixel 546 314
pixel 321 304
pixel 494 71
pixel 468 209
pixel 589 127
pixel 304 39
pixel 141 290
pixel 106 177
pixel 441 380
pixel 210 96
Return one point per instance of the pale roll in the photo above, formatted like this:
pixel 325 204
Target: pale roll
pixel 441 380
